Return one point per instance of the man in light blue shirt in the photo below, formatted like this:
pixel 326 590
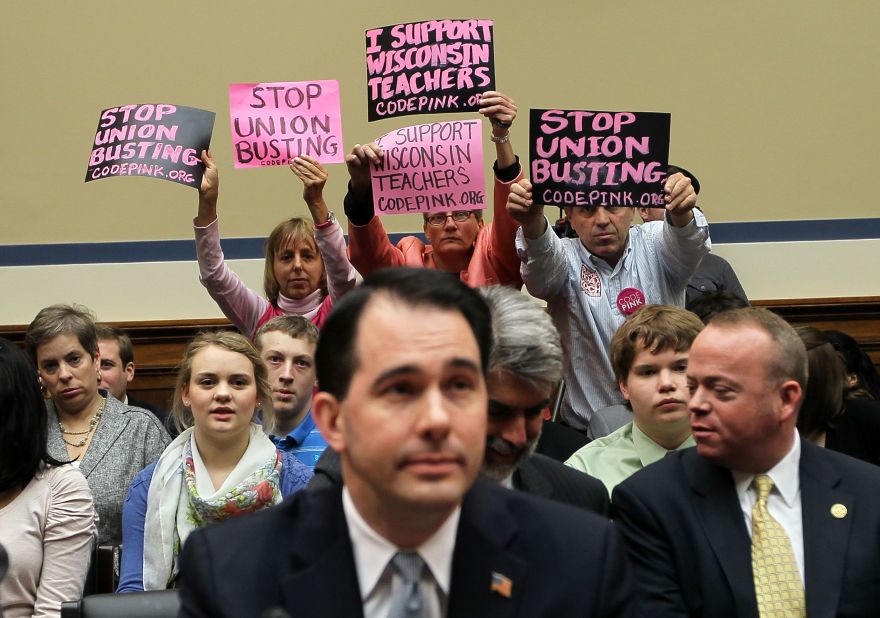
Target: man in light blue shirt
pixel 287 346
pixel 649 353
pixel 591 283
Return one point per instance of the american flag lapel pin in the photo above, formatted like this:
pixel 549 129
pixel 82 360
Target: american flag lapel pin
pixel 501 584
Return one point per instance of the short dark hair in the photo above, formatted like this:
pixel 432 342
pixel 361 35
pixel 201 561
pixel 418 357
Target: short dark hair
pixel 709 304
pixel 858 363
pixel 335 358
pixel 111 333
pixel 23 419
pixel 57 320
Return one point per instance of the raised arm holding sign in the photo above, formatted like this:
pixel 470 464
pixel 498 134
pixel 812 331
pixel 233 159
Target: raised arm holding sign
pixel 152 139
pixel 307 268
pixel 592 282
pixel 481 254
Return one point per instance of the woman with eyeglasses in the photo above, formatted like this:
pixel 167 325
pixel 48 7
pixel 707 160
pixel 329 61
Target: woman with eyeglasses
pixel 459 241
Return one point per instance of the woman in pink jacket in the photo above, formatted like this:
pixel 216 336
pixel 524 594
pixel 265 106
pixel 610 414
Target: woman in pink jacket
pixel 307 267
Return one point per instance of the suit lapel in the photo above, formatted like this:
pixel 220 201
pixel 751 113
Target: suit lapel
pixel 113 422
pixel 323 581
pixel 718 508
pixel 55 445
pixel 825 536
pixel 485 531
pixel 529 478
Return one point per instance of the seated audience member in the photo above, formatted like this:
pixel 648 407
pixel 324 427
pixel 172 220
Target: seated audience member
pixel 525 363
pixel 715 274
pixel 287 346
pixel 458 241
pixel 850 426
pixel 306 269
pixel 591 283
pixel 47 520
pixel 862 380
pixel 649 353
pixel 108 441
pixel 708 305
pixel 117 368
pixel 222 465
pixel 402 366
pixel 754 521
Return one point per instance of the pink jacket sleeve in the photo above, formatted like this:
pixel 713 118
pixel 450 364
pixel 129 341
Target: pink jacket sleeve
pixel 341 276
pixel 239 303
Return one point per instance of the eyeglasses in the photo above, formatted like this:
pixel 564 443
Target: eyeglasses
pixel 439 218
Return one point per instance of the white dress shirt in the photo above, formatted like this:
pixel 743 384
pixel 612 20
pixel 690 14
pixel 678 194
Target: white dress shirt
pixel 784 501
pixel 378 580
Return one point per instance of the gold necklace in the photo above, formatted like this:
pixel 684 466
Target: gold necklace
pixel 92 424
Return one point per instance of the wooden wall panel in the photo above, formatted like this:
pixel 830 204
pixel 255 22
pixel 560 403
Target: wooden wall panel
pixel 159 345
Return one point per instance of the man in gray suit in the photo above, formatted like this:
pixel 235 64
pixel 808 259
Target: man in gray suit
pixel 525 364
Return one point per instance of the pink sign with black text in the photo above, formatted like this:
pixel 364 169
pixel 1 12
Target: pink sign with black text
pixel 430 167
pixel 274 122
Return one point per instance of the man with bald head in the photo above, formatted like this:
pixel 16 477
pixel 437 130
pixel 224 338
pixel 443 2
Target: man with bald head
pixel 753 521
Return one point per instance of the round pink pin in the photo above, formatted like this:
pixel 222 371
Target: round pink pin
pixel 630 300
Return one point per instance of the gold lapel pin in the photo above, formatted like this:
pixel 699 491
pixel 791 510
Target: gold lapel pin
pixel 838 511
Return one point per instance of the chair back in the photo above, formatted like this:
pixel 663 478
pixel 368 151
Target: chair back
pixel 152 604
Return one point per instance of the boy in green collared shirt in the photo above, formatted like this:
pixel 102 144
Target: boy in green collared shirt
pixel 649 353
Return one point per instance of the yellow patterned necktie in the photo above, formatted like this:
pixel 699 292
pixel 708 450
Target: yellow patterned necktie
pixel 778 585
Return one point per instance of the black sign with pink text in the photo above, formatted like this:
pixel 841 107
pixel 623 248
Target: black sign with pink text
pixel 590 158
pixel 429 67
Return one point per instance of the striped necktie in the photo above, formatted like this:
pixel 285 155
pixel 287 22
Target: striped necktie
pixel 407 599
pixel 778 585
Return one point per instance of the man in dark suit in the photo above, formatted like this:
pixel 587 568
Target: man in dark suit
pixel 401 365
pixel 525 364
pixel 117 369
pixel 699 522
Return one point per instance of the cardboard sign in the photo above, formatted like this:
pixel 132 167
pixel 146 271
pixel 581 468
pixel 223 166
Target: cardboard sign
pixel 151 139
pixel 430 167
pixel 275 122
pixel 429 67
pixel 581 158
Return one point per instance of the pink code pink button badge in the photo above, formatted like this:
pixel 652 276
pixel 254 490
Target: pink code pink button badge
pixel 630 300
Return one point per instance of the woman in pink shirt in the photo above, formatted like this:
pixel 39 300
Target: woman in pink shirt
pixel 307 268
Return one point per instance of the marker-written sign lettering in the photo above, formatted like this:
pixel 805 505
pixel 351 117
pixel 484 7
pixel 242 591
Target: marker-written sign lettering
pixel 274 122
pixel 592 158
pixel 151 139
pixel 430 167
pixel 430 66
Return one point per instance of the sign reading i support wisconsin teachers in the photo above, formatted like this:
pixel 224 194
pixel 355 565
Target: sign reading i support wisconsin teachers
pixel 582 158
pixel 151 139
pixel 429 67
pixel 430 167
pixel 274 122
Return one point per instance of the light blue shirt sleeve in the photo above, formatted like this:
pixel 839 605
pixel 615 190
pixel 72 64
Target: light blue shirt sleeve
pixel 134 513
